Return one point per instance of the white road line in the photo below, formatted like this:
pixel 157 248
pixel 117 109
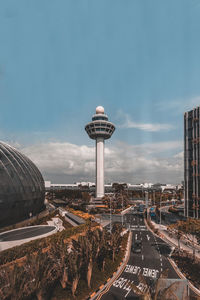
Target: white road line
pixel 142 257
pixel 129 289
pixel 136 229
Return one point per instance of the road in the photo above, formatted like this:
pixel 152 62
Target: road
pixel 25 233
pixel 151 262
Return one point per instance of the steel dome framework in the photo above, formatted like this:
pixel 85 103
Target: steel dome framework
pixel 22 188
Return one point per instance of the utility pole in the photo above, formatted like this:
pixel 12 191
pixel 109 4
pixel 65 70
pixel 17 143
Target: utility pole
pixel 110 217
pixel 122 210
pixel 160 206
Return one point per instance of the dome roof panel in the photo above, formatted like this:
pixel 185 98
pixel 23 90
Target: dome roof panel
pixel 21 186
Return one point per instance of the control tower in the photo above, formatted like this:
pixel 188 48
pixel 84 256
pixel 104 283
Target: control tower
pixel 100 129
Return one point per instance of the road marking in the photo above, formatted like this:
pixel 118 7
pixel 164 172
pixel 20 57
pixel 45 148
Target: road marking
pixel 142 257
pixel 148 237
pixel 137 229
pixel 142 226
pixel 144 271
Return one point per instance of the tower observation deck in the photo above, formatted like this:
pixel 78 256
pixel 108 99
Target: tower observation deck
pixel 100 129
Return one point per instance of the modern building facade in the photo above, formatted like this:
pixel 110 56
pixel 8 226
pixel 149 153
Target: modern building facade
pixel 192 163
pixel 100 129
pixel 22 190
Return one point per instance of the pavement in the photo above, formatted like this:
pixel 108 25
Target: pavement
pixel 171 238
pixel 23 235
pixel 151 262
pixel 56 222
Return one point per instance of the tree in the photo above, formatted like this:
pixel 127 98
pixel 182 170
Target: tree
pixel 104 248
pixel 189 228
pixel 60 254
pixel 84 249
pixel 13 282
pixel 75 262
pixel 42 271
pixel 115 239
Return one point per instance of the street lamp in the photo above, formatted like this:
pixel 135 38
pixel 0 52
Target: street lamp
pixel 110 216
pixel 122 210
pixel 160 205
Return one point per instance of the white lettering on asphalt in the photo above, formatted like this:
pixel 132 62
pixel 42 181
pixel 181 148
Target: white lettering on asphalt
pixel 132 269
pixel 145 271
pixel 124 284
pixel 148 237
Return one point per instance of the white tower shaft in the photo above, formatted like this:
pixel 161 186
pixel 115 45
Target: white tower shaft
pixel 100 129
pixel 99 167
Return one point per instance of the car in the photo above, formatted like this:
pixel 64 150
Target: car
pixel 136 246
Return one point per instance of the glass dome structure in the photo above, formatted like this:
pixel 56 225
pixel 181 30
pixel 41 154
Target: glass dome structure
pixel 22 188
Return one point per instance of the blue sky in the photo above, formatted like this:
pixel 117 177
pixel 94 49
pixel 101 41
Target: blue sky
pixel 60 59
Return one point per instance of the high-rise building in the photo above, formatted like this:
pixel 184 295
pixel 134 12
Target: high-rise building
pixel 100 129
pixel 192 162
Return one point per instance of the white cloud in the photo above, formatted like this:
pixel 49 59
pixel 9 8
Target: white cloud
pixel 150 127
pixel 65 162
pixel 179 155
pixel 180 105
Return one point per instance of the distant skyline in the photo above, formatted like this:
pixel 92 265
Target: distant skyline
pixel 61 59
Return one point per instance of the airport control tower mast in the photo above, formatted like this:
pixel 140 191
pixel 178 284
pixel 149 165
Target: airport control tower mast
pixel 100 129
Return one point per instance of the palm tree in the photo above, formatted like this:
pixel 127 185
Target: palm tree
pixel 42 271
pixel 84 249
pixel 115 239
pixel 75 262
pixel 104 248
pixel 14 283
pixel 189 228
pixel 59 253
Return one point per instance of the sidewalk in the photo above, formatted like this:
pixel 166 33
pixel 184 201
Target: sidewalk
pixel 56 222
pixel 169 237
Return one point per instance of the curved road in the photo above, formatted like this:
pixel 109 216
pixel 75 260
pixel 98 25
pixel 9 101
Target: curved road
pixel 151 262
pixel 25 233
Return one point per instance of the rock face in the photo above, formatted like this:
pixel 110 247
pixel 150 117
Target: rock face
pixel 22 188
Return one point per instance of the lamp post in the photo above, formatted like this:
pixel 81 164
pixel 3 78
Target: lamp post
pixel 122 211
pixel 160 205
pixel 110 217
